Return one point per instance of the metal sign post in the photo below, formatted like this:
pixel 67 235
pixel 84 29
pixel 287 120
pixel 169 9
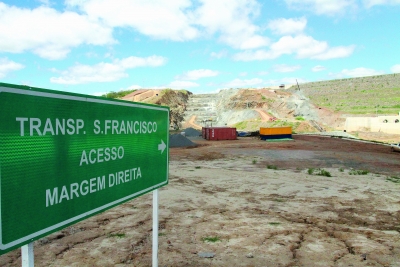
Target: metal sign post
pixel 155 228
pixel 27 255
pixel 72 156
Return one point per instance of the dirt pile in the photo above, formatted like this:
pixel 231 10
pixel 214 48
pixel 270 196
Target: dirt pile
pixel 191 132
pixel 178 140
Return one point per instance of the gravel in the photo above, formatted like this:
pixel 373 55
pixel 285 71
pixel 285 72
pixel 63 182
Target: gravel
pixel 178 140
pixel 192 132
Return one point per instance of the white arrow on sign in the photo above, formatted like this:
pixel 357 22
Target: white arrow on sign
pixel 162 146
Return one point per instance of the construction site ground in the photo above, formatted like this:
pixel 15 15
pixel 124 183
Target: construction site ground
pixel 250 203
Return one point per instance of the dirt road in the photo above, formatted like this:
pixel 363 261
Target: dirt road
pixel 264 115
pixel 251 203
pixel 191 123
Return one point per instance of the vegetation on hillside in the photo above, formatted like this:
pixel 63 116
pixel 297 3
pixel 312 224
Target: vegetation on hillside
pixel 254 125
pixel 365 95
pixel 118 94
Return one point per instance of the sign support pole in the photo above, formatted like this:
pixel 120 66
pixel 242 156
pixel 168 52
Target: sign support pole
pixel 27 255
pixel 155 228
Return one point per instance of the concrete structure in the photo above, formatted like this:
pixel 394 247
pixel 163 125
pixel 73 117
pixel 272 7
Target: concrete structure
pixel 385 124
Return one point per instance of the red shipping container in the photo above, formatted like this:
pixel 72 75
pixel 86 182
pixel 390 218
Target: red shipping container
pixel 203 132
pixel 220 133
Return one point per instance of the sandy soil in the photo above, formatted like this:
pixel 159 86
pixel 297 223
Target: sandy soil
pixel 263 114
pixel 377 136
pixel 250 203
pixel 191 123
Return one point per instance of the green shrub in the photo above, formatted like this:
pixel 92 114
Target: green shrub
pixel 272 167
pixel 118 94
pixel 393 179
pixel 119 235
pixel 211 239
pixel 358 172
pixel 323 172
pixel 274 223
pixel 320 172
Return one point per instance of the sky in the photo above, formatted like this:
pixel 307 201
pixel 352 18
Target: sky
pixel 98 46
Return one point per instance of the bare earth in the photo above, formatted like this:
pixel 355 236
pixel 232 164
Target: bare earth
pixel 258 203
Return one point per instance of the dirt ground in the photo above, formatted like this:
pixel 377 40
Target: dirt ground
pixel 250 203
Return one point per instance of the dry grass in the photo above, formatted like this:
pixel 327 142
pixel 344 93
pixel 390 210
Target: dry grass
pixel 364 95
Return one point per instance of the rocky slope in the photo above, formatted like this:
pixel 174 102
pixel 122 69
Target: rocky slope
pixel 248 109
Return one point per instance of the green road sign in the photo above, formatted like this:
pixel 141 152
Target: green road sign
pixel 65 157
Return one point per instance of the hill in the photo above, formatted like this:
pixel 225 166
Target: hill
pixel 317 106
pixel 176 100
pixel 365 95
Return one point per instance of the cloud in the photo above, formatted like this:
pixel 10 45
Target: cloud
pixel 395 68
pixel 284 26
pixel 45 2
pixel 336 52
pixel 360 72
pixel 182 85
pixel 92 22
pixel 180 20
pixel 318 68
pixel 47 32
pixel 232 21
pixel 262 73
pixel 159 19
pixel 7 66
pixel 323 7
pixel 105 72
pixel 220 54
pixel 285 68
pixel 371 3
pixel 197 74
pixel 237 83
pixel 302 46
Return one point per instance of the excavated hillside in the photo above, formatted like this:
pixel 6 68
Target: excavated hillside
pixel 176 100
pixel 316 107
pixel 248 109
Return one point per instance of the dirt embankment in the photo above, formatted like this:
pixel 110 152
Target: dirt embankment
pixel 177 101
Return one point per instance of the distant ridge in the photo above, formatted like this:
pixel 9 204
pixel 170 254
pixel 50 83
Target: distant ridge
pixel 377 95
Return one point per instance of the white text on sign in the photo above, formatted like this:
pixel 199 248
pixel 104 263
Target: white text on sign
pixel 69 126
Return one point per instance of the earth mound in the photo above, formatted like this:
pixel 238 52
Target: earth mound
pixel 192 132
pixel 178 140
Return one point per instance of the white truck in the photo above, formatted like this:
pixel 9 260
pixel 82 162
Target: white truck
pixel 395 147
